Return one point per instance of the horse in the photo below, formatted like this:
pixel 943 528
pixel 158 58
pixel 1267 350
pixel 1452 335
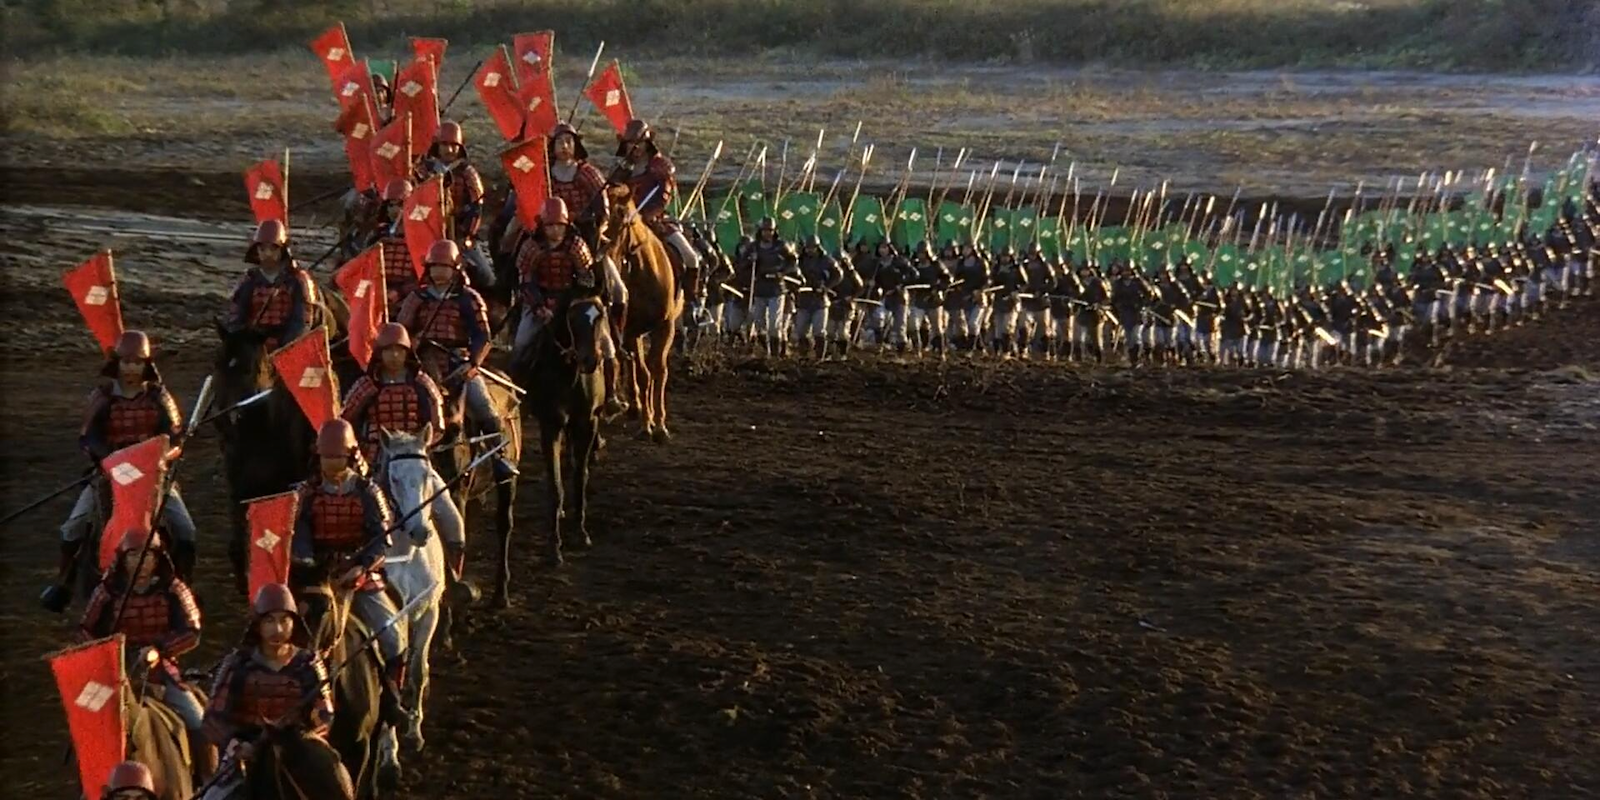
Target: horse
pixel 655 301
pixel 459 451
pixel 565 392
pixel 415 562
pixel 358 688
pixel 157 739
pixel 266 447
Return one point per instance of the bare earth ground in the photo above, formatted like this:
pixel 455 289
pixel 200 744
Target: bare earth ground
pixel 884 579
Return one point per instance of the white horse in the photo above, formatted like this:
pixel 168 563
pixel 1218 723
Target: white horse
pixel 415 564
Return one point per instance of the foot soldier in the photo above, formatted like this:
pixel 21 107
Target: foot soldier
pixel 843 313
pixel 271 685
pixel 819 276
pixel 341 535
pixel 653 181
pixel 129 406
pixel 448 156
pixel 275 297
pixel 1205 301
pixel 1129 300
pixel 451 317
pixel 1008 281
pixel 1233 325
pixel 927 317
pixel 971 300
pixel 142 598
pixel 1037 328
pixel 773 261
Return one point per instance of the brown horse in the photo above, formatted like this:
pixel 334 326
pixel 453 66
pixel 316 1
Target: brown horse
pixel 156 738
pixel 655 302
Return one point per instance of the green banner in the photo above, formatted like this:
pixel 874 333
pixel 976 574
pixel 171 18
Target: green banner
pixel 866 221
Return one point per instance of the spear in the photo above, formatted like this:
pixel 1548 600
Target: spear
pixel 738 179
pixel 866 159
pixel 900 192
pixel 705 176
pixel 783 173
pixel 961 158
pixel 577 98
pixel 811 175
pixel 849 156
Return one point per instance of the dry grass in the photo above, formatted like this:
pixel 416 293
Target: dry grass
pixel 1445 34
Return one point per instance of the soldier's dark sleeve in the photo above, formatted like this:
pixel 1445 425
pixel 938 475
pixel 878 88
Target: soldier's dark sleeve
pixel 183 624
pixel 303 547
pixel 294 323
pixel 375 521
pixel 470 216
pixel 239 305
pixel 594 188
pixel 94 625
pixel 476 317
pixel 219 723
pixel 92 440
pixel 432 404
pixel 171 418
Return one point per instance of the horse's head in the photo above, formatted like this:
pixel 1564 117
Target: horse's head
pixel 581 328
pixel 621 214
pixel 323 607
pixel 407 476
pixel 242 366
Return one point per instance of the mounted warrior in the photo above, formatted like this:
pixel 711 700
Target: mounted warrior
pixel 554 266
pixel 449 315
pixel 142 598
pixel 275 297
pixel 342 533
pixel 130 406
pixel 448 156
pixel 653 181
pixel 399 275
pixel 271 688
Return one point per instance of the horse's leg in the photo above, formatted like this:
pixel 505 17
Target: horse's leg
pixel 386 759
pixel 637 400
pixel 647 406
pixel 550 433
pixel 584 436
pixel 421 638
pixel 659 356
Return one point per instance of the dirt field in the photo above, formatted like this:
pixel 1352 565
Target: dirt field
pixel 885 579
pixel 906 580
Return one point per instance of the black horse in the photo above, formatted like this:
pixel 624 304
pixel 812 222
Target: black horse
pixel 358 687
pixel 266 446
pixel 565 393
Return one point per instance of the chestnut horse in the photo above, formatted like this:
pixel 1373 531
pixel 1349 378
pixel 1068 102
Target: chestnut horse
pixel 655 302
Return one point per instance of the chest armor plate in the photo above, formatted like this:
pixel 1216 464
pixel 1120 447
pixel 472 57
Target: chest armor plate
pixel 336 521
pixel 268 696
pixel 574 193
pixel 146 618
pixel 131 420
pixel 399 274
pixel 447 328
pixel 270 308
